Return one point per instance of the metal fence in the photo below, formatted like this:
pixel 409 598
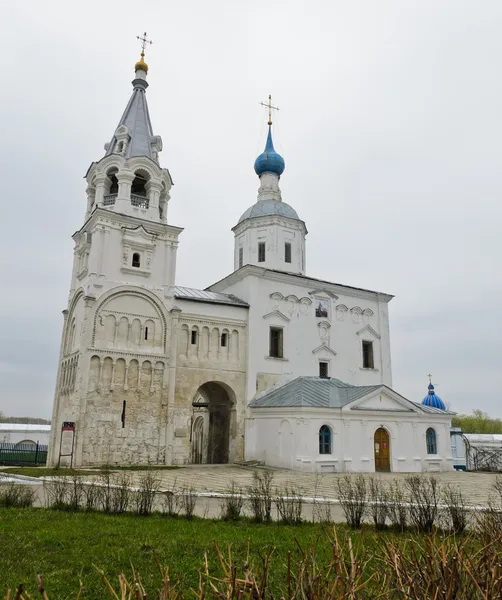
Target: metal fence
pixel 23 454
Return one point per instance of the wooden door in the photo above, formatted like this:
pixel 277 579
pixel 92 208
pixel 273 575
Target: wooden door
pixel 382 450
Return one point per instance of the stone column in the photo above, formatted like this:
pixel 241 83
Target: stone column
pixel 100 182
pixel 153 189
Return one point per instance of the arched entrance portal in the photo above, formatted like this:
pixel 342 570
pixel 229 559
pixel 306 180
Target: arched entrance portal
pixel 198 440
pixel 211 424
pixel 382 450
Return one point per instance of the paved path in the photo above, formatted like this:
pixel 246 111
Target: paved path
pixel 475 486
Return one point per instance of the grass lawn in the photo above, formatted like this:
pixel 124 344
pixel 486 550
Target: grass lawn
pixel 65 546
pixel 49 472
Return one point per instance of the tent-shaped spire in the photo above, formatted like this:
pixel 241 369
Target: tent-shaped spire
pixel 134 133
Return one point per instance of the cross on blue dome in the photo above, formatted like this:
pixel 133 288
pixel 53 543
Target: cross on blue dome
pixel 269 160
pixel 432 400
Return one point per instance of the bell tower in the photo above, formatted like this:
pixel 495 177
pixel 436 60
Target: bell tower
pixel 115 357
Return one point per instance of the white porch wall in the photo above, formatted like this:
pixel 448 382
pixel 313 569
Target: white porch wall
pixel 352 441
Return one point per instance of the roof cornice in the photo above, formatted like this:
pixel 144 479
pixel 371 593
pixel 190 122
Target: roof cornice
pixel 130 222
pixel 301 280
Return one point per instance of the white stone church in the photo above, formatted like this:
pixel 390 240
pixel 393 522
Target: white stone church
pixel 267 364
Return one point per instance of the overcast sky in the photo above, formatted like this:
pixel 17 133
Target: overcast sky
pixel 390 125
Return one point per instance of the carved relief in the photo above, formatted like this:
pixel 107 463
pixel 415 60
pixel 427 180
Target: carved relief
pixel 341 309
pixel 323 328
pixel 291 304
pixel 367 314
pixel 356 313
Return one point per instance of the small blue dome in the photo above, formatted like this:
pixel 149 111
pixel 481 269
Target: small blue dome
pixel 432 400
pixel 269 161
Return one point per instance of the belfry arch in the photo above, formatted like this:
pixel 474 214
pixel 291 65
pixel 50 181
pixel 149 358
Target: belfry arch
pixel 212 424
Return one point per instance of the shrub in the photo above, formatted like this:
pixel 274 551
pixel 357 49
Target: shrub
pixel 352 494
pixel 424 495
pixel 379 506
pixel 17 495
pixel 397 506
pixel 455 509
pixel 106 490
pixel 75 493
pixel 171 502
pixel 120 494
pixel 321 508
pixel 232 503
pixel 57 494
pixel 188 502
pixel 92 496
pixel 289 502
pixel 260 496
pixel 148 487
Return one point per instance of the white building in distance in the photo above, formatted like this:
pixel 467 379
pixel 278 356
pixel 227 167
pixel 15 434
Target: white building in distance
pixel 267 364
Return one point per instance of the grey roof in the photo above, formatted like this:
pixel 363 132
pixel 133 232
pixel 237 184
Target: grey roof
pixel 433 409
pixel 137 120
pixel 184 293
pixel 264 208
pixel 314 391
pixel 321 392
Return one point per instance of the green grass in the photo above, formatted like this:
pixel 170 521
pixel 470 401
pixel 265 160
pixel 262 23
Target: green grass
pixel 65 546
pixel 44 472
pixel 49 472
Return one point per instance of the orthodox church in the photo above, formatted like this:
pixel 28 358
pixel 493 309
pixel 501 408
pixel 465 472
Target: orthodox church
pixel 267 364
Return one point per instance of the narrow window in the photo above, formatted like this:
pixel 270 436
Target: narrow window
pixel 261 251
pixel 368 355
pixel 287 252
pixel 323 370
pixel 241 257
pixel 136 262
pixel 431 441
pixel 223 339
pixel 122 416
pixel 146 333
pixel 324 440
pixel 194 336
pixel 276 342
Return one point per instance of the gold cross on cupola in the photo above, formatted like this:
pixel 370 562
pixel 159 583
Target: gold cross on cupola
pixel 144 42
pixel 141 64
pixel 430 378
pixel 270 108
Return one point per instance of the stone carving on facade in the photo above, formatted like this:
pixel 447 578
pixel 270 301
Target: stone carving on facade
pixel 340 310
pixel 367 314
pixel 356 313
pixel 323 328
pixel 291 304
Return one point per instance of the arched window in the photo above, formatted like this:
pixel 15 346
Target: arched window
pixel 325 440
pixel 138 186
pixel 113 181
pixel 136 260
pixel 431 441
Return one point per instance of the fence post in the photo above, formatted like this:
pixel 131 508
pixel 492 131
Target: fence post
pixel 36 454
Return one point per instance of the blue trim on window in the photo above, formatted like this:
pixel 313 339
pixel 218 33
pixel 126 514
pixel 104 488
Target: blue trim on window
pixel 431 441
pixel 325 440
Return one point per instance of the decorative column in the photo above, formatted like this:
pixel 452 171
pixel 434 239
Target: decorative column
pixel 100 182
pixel 125 179
pixel 153 189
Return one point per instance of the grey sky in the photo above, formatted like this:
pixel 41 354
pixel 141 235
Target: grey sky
pixel 389 124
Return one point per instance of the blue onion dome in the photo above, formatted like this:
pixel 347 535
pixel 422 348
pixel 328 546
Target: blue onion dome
pixel 269 161
pixel 432 400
